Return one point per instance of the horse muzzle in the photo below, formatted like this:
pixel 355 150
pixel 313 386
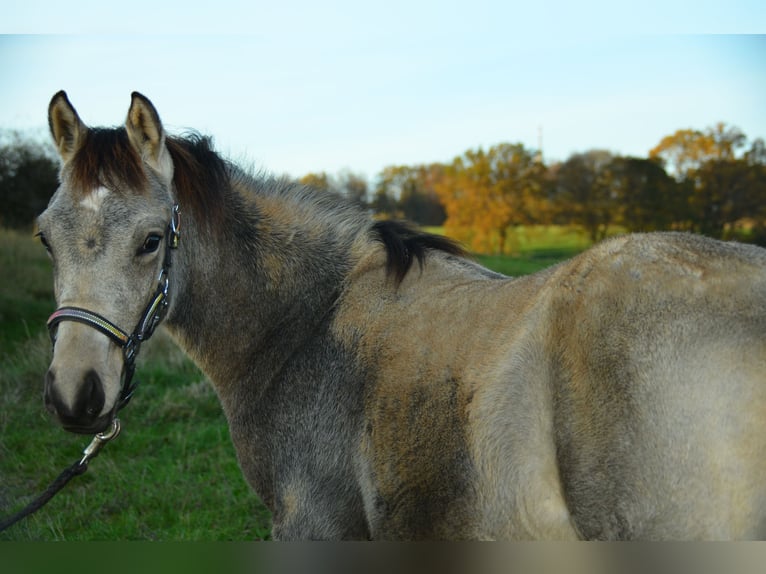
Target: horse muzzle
pixel 82 411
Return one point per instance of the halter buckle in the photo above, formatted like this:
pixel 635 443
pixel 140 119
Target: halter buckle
pixel 175 227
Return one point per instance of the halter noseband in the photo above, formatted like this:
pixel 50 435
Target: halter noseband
pixel 150 318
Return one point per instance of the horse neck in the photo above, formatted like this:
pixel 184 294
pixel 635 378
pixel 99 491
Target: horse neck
pixel 248 296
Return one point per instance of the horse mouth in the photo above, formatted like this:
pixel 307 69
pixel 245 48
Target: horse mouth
pixel 93 427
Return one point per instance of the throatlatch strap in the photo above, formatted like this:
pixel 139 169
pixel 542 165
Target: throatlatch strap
pixel 89 318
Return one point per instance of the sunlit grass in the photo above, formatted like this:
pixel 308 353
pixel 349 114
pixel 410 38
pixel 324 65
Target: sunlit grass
pixel 534 247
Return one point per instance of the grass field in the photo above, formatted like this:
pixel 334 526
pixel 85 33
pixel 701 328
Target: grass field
pixel 172 475
pixel 535 247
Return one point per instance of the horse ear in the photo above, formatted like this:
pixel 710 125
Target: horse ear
pixel 147 135
pixel 67 129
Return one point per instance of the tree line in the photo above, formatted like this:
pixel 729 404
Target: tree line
pixel 28 177
pixel 710 181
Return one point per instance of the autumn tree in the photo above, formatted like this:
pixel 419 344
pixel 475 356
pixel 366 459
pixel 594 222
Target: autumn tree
pixel 687 150
pixel 320 181
pixel 693 180
pixel 724 188
pixel 486 192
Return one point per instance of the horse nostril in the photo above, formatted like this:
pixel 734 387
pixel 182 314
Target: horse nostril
pixel 92 395
pixel 86 405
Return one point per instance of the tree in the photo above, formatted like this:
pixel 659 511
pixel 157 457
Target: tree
pixel 28 178
pixel 586 194
pixel 320 181
pixel 686 150
pixel 384 203
pixel 484 193
pixel 347 183
pixel 648 198
pixel 756 156
pixel 728 193
pixel 408 191
pixel 353 186
pixel 756 160
pixel 723 189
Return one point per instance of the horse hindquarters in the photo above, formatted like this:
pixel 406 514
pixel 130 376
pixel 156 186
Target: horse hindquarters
pixel 661 406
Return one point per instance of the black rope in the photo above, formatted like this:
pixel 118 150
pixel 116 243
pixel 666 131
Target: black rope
pixel 61 481
pixel 91 451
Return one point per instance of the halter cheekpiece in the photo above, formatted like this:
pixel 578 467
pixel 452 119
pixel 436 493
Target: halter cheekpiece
pixel 151 317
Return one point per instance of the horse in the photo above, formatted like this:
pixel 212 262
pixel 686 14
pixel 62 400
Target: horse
pixel 378 383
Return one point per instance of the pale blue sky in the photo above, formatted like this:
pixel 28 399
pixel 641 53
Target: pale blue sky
pixel 303 86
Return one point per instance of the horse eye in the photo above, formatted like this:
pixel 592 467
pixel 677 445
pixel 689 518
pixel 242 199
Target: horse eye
pixel 44 241
pixel 151 244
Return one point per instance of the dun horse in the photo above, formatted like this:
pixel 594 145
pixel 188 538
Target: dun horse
pixel 378 384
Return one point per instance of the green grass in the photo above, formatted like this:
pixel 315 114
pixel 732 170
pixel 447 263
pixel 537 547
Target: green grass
pixel 535 247
pixel 515 266
pixel 26 289
pixel 172 475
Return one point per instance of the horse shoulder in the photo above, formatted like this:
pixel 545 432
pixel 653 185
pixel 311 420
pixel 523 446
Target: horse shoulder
pixel 457 431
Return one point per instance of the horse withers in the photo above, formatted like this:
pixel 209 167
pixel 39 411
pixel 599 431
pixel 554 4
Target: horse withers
pixel 379 384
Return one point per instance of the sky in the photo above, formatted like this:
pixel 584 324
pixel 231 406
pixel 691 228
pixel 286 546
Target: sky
pixel 299 87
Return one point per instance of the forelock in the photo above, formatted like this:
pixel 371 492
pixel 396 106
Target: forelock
pixel 107 159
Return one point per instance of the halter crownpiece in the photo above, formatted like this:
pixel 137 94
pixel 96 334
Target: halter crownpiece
pixel 152 316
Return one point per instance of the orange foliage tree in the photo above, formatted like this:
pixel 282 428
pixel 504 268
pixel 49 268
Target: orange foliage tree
pixel 687 150
pixel 486 192
pixel 725 193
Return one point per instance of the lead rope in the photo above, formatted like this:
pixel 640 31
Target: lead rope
pixel 78 468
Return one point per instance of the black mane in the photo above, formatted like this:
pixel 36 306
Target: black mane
pixel 405 243
pixel 201 177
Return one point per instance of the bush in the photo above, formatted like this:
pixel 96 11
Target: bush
pixel 28 178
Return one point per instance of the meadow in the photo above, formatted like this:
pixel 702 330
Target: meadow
pixel 172 474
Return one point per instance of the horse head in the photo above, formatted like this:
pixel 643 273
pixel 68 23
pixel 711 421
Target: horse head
pixel 108 229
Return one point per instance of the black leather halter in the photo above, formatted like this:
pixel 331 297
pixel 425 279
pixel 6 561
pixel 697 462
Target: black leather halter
pixel 151 317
